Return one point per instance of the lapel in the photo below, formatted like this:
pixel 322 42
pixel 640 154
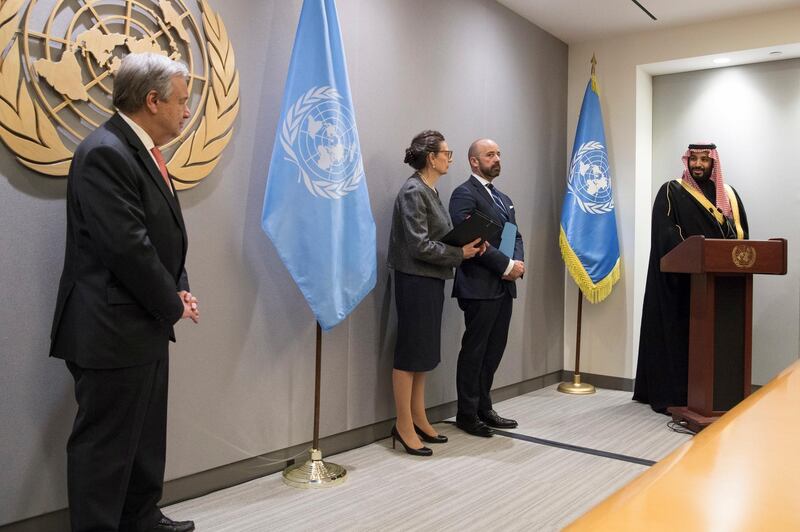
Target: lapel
pixel 490 207
pixel 150 167
pixel 711 210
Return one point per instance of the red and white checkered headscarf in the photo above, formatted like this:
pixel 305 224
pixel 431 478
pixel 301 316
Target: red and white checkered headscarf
pixel 723 203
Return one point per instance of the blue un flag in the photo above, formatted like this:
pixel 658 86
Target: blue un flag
pixel 588 236
pixel 316 205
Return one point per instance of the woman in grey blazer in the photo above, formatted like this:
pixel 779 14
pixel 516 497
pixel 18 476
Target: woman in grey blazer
pixel 421 263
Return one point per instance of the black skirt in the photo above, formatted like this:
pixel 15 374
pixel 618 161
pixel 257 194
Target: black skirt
pixel 419 301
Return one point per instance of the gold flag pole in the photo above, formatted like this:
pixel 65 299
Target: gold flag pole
pixel 576 387
pixel 315 473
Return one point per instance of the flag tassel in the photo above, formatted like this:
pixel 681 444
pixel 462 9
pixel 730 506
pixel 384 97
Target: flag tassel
pixel 594 292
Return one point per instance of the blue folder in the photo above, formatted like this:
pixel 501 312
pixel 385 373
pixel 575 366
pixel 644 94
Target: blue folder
pixel 508 239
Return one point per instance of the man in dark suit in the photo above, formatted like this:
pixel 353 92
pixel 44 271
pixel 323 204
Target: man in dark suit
pixel 485 289
pixel 123 288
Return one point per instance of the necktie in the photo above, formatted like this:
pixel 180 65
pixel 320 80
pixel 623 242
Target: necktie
pixel 162 166
pixel 497 200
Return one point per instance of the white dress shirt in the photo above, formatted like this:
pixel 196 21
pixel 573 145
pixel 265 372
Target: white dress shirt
pixel 485 183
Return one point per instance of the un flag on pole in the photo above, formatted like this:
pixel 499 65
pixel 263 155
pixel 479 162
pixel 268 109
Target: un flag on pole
pixel 316 205
pixel 588 236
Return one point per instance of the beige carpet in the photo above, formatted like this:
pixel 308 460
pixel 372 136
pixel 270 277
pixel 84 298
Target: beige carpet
pixel 470 483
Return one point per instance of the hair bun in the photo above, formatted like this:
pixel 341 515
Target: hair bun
pixel 409 156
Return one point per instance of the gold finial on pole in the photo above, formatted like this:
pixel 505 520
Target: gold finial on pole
pixel 594 77
pixel 594 63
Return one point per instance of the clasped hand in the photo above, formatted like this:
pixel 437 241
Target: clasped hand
pixel 190 309
pixel 517 271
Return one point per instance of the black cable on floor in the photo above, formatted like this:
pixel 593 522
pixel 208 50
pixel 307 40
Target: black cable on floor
pixel 680 428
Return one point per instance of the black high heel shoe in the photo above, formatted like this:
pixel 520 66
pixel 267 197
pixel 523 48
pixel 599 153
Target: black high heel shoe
pixel 427 438
pixel 422 451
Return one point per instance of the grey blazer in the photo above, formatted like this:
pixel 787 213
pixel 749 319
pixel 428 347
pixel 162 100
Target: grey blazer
pixel 418 221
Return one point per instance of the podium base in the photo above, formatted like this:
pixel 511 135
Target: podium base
pixel 314 473
pixel 691 419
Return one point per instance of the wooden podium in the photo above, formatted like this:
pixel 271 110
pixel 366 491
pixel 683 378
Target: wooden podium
pixel 721 319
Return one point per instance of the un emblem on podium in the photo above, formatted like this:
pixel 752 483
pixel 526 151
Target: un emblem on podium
pixel 743 256
pixel 57 76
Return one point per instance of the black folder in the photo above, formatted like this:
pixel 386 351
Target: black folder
pixel 478 225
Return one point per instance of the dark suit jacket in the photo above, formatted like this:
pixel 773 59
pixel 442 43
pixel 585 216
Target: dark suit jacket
pixel 481 276
pixel 125 252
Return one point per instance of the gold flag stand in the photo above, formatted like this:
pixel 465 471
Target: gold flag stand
pixel 576 387
pixel 315 473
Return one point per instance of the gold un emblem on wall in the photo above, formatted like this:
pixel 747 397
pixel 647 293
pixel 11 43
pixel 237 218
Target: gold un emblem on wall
pixel 743 256
pixel 56 76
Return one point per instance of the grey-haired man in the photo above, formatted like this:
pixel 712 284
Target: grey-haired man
pixel 122 289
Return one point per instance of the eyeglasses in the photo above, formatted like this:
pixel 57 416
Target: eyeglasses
pixel 449 154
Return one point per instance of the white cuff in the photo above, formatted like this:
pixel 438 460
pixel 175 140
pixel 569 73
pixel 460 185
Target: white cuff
pixel 509 267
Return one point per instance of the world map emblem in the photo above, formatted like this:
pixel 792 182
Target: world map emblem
pixel 56 77
pixel 589 179
pixel 319 135
pixel 743 256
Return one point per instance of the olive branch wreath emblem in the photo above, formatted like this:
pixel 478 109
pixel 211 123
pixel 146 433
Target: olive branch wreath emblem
pixel 27 131
pixel 289 131
pixel 589 207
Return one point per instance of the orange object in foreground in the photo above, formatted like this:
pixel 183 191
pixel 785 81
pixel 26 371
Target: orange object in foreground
pixel 742 473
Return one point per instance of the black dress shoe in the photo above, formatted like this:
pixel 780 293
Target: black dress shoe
pixel 422 451
pixel 427 438
pixel 168 525
pixel 474 426
pixel 493 420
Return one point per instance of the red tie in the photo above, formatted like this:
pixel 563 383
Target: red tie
pixel 162 166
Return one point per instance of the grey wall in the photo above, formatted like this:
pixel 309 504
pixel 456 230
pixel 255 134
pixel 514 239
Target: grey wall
pixel 752 112
pixel 242 380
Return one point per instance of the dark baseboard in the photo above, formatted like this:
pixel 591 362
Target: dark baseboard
pixel 602 381
pixel 205 482
pixel 612 383
pixel 58 520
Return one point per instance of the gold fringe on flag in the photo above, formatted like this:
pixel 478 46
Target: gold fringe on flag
pixel 594 292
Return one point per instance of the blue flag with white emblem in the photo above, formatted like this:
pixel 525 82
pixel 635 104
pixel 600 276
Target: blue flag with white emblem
pixel 316 205
pixel 588 236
